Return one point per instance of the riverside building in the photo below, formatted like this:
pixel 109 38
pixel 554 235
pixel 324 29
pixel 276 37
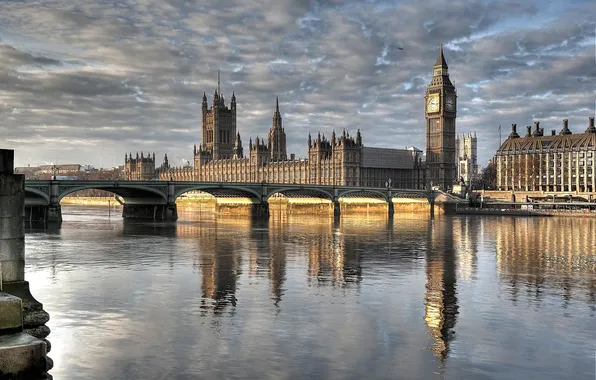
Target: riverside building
pixel 555 162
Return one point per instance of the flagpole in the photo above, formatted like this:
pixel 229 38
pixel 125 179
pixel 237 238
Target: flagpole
pixel 499 135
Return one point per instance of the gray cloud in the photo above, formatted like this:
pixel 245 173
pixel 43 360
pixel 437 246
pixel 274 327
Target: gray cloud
pixel 89 81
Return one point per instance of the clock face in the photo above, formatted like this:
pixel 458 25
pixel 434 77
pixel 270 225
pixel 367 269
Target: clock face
pixel 450 103
pixel 432 103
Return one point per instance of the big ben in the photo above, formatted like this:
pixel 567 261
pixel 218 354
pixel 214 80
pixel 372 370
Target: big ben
pixel 440 112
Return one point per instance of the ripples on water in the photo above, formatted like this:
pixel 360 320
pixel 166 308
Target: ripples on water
pixel 306 297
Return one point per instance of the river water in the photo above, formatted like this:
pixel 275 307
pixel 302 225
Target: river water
pixel 307 297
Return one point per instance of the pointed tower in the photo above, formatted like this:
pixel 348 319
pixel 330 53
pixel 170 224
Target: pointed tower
pixel 238 153
pixel 277 137
pixel 219 127
pixel 440 113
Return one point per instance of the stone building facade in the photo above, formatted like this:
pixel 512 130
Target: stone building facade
pixel 340 160
pixel 139 168
pixel 561 162
pixel 467 158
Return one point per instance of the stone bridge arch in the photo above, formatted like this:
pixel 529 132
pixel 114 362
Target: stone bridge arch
pixel 36 196
pixel 215 189
pixel 287 191
pixel 381 194
pixel 131 194
pixel 397 193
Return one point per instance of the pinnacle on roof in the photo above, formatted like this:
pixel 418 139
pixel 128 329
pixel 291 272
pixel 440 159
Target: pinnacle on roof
pixel 441 59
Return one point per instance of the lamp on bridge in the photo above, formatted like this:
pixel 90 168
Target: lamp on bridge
pixel 388 183
pixel 54 170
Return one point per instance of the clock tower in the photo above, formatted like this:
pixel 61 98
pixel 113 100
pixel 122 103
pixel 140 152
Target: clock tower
pixel 440 112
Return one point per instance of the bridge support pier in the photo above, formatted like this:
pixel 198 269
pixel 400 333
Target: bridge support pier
pixel 260 209
pixel 167 212
pixel 54 213
pixel 390 208
pixel 432 206
pixel 336 209
pixel 21 316
pixel 44 213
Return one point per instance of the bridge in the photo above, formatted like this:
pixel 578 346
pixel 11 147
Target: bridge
pixel 156 200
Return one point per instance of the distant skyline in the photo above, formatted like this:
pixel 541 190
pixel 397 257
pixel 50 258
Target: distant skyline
pixel 88 81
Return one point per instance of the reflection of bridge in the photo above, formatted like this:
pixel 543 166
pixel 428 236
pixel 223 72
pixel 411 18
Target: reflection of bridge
pixel 156 200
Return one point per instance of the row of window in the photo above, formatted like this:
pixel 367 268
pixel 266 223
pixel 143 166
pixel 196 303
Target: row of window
pixel 553 156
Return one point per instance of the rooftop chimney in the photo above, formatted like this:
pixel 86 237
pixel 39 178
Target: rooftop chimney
pixel 513 133
pixel 591 128
pixel 536 129
pixel 553 132
pixel 529 131
pixel 565 130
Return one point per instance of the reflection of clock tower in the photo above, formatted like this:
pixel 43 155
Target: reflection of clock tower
pixel 440 127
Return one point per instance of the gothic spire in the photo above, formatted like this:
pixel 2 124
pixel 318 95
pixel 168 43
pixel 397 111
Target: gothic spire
pixel 277 104
pixel 441 59
pixel 218 88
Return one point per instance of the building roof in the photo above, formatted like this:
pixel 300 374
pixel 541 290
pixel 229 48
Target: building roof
pixel 62 168
pixel 559 142
pixel 25 169
pixel 385 158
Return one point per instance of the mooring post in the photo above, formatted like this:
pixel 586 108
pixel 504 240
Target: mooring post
pixel 22 319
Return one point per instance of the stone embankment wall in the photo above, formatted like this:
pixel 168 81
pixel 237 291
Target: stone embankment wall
pixel 22 319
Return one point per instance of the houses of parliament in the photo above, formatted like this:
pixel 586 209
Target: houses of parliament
pixel 341 160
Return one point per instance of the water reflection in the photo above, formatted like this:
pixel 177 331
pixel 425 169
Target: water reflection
pixel 277 260
pixel 466 237
pixel 541 256
pixel 218 259
pixel 317 297
pixel 441 307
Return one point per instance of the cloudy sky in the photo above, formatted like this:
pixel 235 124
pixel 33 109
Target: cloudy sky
pixel 86 81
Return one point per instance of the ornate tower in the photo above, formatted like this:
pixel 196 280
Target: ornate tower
pixel 440 113
pixel 277 137
pixel 219 126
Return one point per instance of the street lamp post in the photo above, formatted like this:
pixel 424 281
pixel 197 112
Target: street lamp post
pixel 54 170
